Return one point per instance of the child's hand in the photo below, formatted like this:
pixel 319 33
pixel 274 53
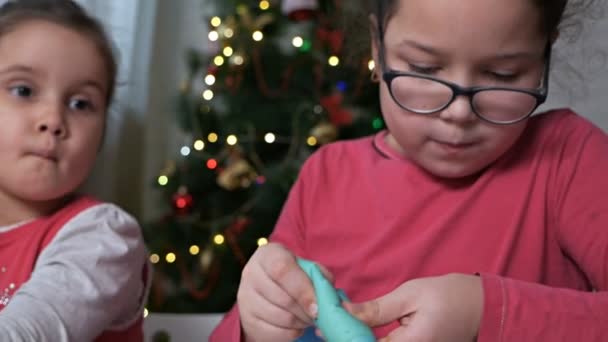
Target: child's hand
pixel 445 308
pixel 276 299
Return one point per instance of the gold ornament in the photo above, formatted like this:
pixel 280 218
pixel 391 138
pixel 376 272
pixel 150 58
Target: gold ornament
pixel 324 132
pixel 240 174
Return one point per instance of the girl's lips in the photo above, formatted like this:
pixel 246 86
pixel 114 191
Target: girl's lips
pixel 453 148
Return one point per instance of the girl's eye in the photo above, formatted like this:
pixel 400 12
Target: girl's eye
pixel 503 77
pixel 80 104
pixel 22 91
pixel 423 69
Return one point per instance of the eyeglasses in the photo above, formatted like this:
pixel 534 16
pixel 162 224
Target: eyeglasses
pixel 423 94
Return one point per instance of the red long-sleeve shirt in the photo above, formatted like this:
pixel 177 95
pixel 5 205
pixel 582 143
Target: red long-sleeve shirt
pixel 534 224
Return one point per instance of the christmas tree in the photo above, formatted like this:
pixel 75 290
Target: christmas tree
pixel 274 86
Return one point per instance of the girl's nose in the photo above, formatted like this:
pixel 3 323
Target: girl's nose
pixel 52 121
pixel 459 111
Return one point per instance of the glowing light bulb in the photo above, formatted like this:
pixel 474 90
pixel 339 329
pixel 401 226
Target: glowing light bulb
pixel 270 138
pixel 170 258
pixel 264 5
pixel 218 60
pixel 216 21
pixel 209 80
pixel 333 61
pixel 208 95
pixel 194 250
pixel 228 51
pixel 297 42
pixel 185 151
pixel 232 140
pixel 212 137
pixel 262 242
pixel 213 36
pixel 258 36
pixel 199 145
pixel 219 239
pixel 163 180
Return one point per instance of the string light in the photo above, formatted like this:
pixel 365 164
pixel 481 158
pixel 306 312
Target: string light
pixel 163 180
pixel 170 258
pixel 212 164
pixel 199 145
pixel 333 61
pixel 228 51
pixel 311 141
pixel 264 5
pixel 181 203
pixel 212 137
pixel 208 94
pixel 216 21
pixel 228 33
pixel 154 258
pixel 145 312
pixel 232 140
pixel 377 123
pixel 297 41
pixel 262 242
pixel 258 36
pixel 238 60
pixel 194 250
pixel 219 239
pixel 371 65
pixel 306 46
pixel 218 60
pixel 209 80
pixel 185 151
pixel 213 35
pixel 270 138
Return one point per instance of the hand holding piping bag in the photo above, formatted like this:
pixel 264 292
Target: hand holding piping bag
pixel 335 323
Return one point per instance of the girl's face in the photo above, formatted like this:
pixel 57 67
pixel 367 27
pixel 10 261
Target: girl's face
pixel 470 43
pixel 52 112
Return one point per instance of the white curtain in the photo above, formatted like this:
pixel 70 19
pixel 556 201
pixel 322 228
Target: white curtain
pixel 130 24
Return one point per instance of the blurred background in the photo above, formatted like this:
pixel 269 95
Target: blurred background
pixel 220 102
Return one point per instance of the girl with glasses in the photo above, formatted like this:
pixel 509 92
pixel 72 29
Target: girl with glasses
pixel 468 218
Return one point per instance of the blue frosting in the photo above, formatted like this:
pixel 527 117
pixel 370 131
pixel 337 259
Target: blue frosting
pixel 336 324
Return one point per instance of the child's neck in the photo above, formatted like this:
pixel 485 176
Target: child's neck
pixel 14 210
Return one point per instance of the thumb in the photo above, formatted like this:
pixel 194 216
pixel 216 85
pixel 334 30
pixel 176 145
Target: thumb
pixel 382 310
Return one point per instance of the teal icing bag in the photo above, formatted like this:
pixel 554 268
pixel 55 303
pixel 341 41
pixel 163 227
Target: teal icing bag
pixel 336 324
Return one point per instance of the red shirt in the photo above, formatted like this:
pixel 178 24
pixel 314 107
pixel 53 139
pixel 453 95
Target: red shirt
pixel 534 224
pixel 21 247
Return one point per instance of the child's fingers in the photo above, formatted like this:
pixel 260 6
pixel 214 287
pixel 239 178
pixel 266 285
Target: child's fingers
pixel 266 310
pixel 269 332
pixel 272 292
pixel 287 274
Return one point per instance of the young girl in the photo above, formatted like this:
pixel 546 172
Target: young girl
pixel 469 219
pixel 71 268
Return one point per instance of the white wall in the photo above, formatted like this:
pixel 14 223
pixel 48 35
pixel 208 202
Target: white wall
pixel 587 58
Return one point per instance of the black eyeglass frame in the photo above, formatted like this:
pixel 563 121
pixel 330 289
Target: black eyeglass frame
pixel 389 75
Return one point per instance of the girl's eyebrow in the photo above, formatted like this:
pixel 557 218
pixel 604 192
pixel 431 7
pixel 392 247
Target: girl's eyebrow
pixel 515 55
pixel 17 68
pixel 422 47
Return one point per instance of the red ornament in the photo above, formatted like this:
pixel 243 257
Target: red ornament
pixel 332 38
pixel 300 10
pixel 182 203
pixel 302 15
pixel 338 115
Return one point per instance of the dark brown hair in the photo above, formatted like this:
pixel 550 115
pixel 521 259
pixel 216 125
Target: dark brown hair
pixel 563 16
pixel 552 12
pixel 65 13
